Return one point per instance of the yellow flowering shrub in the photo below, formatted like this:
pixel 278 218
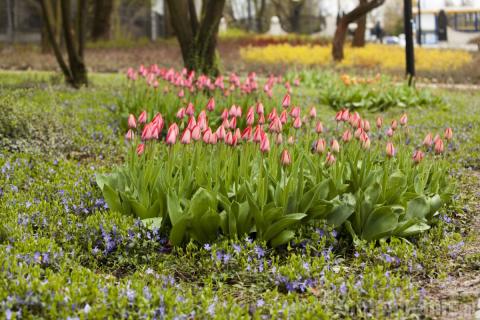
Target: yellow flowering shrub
pixel 372 55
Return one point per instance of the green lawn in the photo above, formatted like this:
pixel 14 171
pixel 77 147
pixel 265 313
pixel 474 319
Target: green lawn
pixel 63 254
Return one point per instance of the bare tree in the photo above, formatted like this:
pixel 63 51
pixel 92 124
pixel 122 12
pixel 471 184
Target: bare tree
pixel 197 37
pixel 359 35
pixel 341 32
pixel 75 71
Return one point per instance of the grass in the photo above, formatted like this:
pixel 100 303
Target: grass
pixel 63 254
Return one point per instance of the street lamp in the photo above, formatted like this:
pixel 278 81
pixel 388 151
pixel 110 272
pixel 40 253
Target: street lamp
pixel 409 50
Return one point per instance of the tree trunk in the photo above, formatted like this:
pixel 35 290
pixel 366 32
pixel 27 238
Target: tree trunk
pixel 359 36
pixel 339 40
pixel 340 34
pixel 197 39
pixel 101 25
pixel 260 15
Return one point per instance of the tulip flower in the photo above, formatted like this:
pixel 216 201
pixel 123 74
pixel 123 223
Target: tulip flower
pixel 338 116
pixel 347 136
pixel 428 141
pixel 142 118
pixel 172 134
pixel 224 114
pixel 394 125
pixel 129 135
pixel 285 158
pixel 261 120
pixel 196 133
pixel 319 127
pixel 418 156
pixel 221 132
pixel 365 125
pixel 437 137
pixel 403 120
pixel 190 110
pixel 238 134
pixel 275 125
pixel 181 113
pixel 365 141
pixel 330 160
pixel 213 138
pixel 320 146
pixel 158 121
pixel 186 137
pixel 257 135
pixel 286 101
pixel 250 118
pixel 264 143
pixel 358 133
pixel 334 146
pixel 345 115
pixel 439 146
pixel 390 132
pixel 272 115
pixel 211 104
pixel 313 113
pixel 259 108
pixel 295 113
pixel 131 121
pixel 297 123
pixel 291 140
pixel 229 138
pixel 247 133
pixel 147 132
pixel 279 139
pixel 181 94
pixel 233 123
pixel 283 117
pixel 379 122
pixel 140 149
pixel 448 134
pixel 206 136
pixel 390 149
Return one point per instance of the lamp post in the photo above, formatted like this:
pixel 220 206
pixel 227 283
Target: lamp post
pixel 409 50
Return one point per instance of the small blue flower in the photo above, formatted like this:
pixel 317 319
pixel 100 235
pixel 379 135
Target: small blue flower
pixel 207 247
pixel 260 303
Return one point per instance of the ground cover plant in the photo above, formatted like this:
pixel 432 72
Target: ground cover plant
pixel 65 253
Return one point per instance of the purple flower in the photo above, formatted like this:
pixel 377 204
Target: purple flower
pixel 343 289
pixel 260 303
pixel 237 248
pixel 207 247
pixel 211 309
pixel 259 251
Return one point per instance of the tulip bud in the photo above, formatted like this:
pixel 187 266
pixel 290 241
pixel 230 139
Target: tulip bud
pixel 275 125
pixel 347 136
pixel 285 158
pixel 338 116
pixel 186 137
pixel 366 125
pixel 279 139
pixel 390 149
pixel 172 134
pixel 286 101
pixel 345 115
pixel 224 114
pixel 403 119
pixel 394 125
pixel 428 141
pixel 181 94
pixel 330 160
pixel 196 133
pixel 297 123
pixel 233 123
pixel 437 137
pixel 439 146
pixel 320 146
pixel 221 132
pixel 142 118
pixel 313 113
pixel 229 138
pixel 181 113
pixel 190 109
pixel 448 134
pixel 261 120
pixel 260 109
pixel 334 146
pixel 390 132
pixel 358 132
pixel 319 127
pixel 264 143
pixel 418 156
pixel 131 121
pixel 257 135
pixel 147 132
pixel 211 104
pixel 295 113
pixel 379 122
pixel 130 135
pixel 140 149
pixel 213 138
pixel 207 135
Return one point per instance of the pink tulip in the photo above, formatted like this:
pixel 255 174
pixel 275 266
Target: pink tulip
pixel 172 134
pixel 283 117
pixel 238 134
pixel 221 132
pixel 181 113
pixel 286 101
pixel 448 134
pixel 142 118
pixel 272 115
pixel 320 146
pixel 313 113
pixel 379 122
pixel 140 149
pixel 190 110
pixel 186 137
pixel 390 149
pixel 358 133
pixel 347 136
pixel 390 132
pixel 365 141
pixel 437 137
pixel 334 146
pixel 345 115
pixel 260 109
pixel 196 133
pixel 295 113
pixel 207 135
pixel 285 158
pixel 250 118
pixel 130 135
pixel 247 133
pixel 428 141
pixel 261 120
pixel 224 114
pixel 213 138
pixel 418 156
pixel 181 94
pixel 439 148
pixel 394 125
pixel 257 135
pixel 233 123
pixel 297 123
pixel 279 138
pixel 131 121
pixel 147 132
pixel 338 116
pixel 275 125
pixel 158 121
pixel 365 125
pixel 330 160
pixel 229 138
pixel 211 104
pixel 319 127
pixel 403 119
pixel 264 143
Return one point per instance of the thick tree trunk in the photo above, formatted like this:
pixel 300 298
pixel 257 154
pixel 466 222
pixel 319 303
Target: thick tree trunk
pixel 197 39
pixel 340 34
pixel 260 15
pixel 101 26
pixel 359 36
